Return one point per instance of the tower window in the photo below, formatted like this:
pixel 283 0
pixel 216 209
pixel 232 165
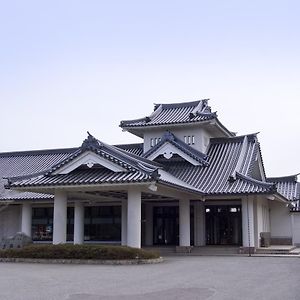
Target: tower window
pixel 151 142
pixel 193 140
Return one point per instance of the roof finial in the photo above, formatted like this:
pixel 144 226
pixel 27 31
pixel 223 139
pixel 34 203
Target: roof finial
pixel 90 142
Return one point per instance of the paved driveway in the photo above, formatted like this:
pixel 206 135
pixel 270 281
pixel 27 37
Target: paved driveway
pixel 177 278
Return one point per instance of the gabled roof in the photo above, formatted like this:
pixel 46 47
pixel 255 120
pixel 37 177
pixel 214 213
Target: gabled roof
pixel 26 163
pixel 289 187
pixel 124 159
pixel 169 137
pixel 175 113
pixel 136 169
pixel 227 173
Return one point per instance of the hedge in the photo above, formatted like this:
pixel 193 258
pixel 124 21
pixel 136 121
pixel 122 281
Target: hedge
pixel 69 251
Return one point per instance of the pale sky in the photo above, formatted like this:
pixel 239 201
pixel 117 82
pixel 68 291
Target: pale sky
pixel 71 66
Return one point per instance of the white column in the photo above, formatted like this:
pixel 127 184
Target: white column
pixel 124 223
pixel 60 218
pixel 149 224
pixel 199 223
pixel 26 218
pixel 184 222
pixel 248 222
pixel 78 223
pixel 134 218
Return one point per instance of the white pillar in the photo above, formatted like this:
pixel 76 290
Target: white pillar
pixel 184 222
pixel 248 222
pixel 149 224
pixel 26 218
pixel 199 223
pixel 124 223
pixel 134 218
pixel 78 223
pixel 60 218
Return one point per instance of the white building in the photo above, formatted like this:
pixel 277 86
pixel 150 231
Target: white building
pixel 191 182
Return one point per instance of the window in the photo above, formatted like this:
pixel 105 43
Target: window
pixel 151 142
pixel 154 141
pixel 102 223
pixel 189 139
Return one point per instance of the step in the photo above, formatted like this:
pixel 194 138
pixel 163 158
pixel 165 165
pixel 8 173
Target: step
pixel 276 250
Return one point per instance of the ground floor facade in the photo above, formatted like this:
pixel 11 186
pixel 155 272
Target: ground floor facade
pixel 139 222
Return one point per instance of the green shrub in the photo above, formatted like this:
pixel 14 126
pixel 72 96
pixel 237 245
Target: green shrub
pixel 69 251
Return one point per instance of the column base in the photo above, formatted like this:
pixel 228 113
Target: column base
pixel 247 250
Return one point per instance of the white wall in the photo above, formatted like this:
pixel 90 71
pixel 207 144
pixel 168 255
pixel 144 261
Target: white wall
pixel 296 228
pixel 201 136
pixel 281 225
pixel 10 220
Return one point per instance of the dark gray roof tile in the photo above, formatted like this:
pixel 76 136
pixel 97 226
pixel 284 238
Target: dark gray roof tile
pixel 289 188
pixel 187 112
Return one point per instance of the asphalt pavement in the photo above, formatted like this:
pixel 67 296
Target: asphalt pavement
pixel 176 278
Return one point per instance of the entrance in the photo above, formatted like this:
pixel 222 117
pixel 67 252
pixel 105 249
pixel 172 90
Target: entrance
pixel 223 224
pixel 165 225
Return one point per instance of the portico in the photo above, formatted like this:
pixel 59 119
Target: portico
pixel 188 224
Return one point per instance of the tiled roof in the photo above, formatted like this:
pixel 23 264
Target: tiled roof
pixel 163 114
pixel 227 173
pixel 84 177
pixel 118 156
pixel 227 170
pixel 168 137
pixel 24 163
pixel 289 188
pixel 27 162
pixel 136 149
pixel 136 169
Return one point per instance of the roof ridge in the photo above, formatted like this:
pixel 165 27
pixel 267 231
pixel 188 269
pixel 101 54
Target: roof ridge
pixel 38 152
pixel 255 181
pixel 128 145
pixel 241 157
pixel 231 139
pixel 179 104
pixel 284 178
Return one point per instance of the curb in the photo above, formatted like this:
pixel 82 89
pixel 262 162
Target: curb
pixel 83 261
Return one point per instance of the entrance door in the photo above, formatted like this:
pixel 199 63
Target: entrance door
pixel 166 225
pixel 223 224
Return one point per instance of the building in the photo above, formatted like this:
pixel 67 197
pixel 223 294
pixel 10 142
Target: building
pixel 191 182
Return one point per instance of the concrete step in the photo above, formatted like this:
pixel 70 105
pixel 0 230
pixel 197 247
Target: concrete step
pixel 204 250
pixel 277 250
pixel 162 250
pixel 217 250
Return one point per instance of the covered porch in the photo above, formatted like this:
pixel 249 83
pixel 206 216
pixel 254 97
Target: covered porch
pixel 129 207
pixel 142 215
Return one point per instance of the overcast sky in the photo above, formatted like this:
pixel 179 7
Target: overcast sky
pixel 71 66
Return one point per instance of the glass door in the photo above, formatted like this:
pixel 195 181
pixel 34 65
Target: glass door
pixel 166 225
